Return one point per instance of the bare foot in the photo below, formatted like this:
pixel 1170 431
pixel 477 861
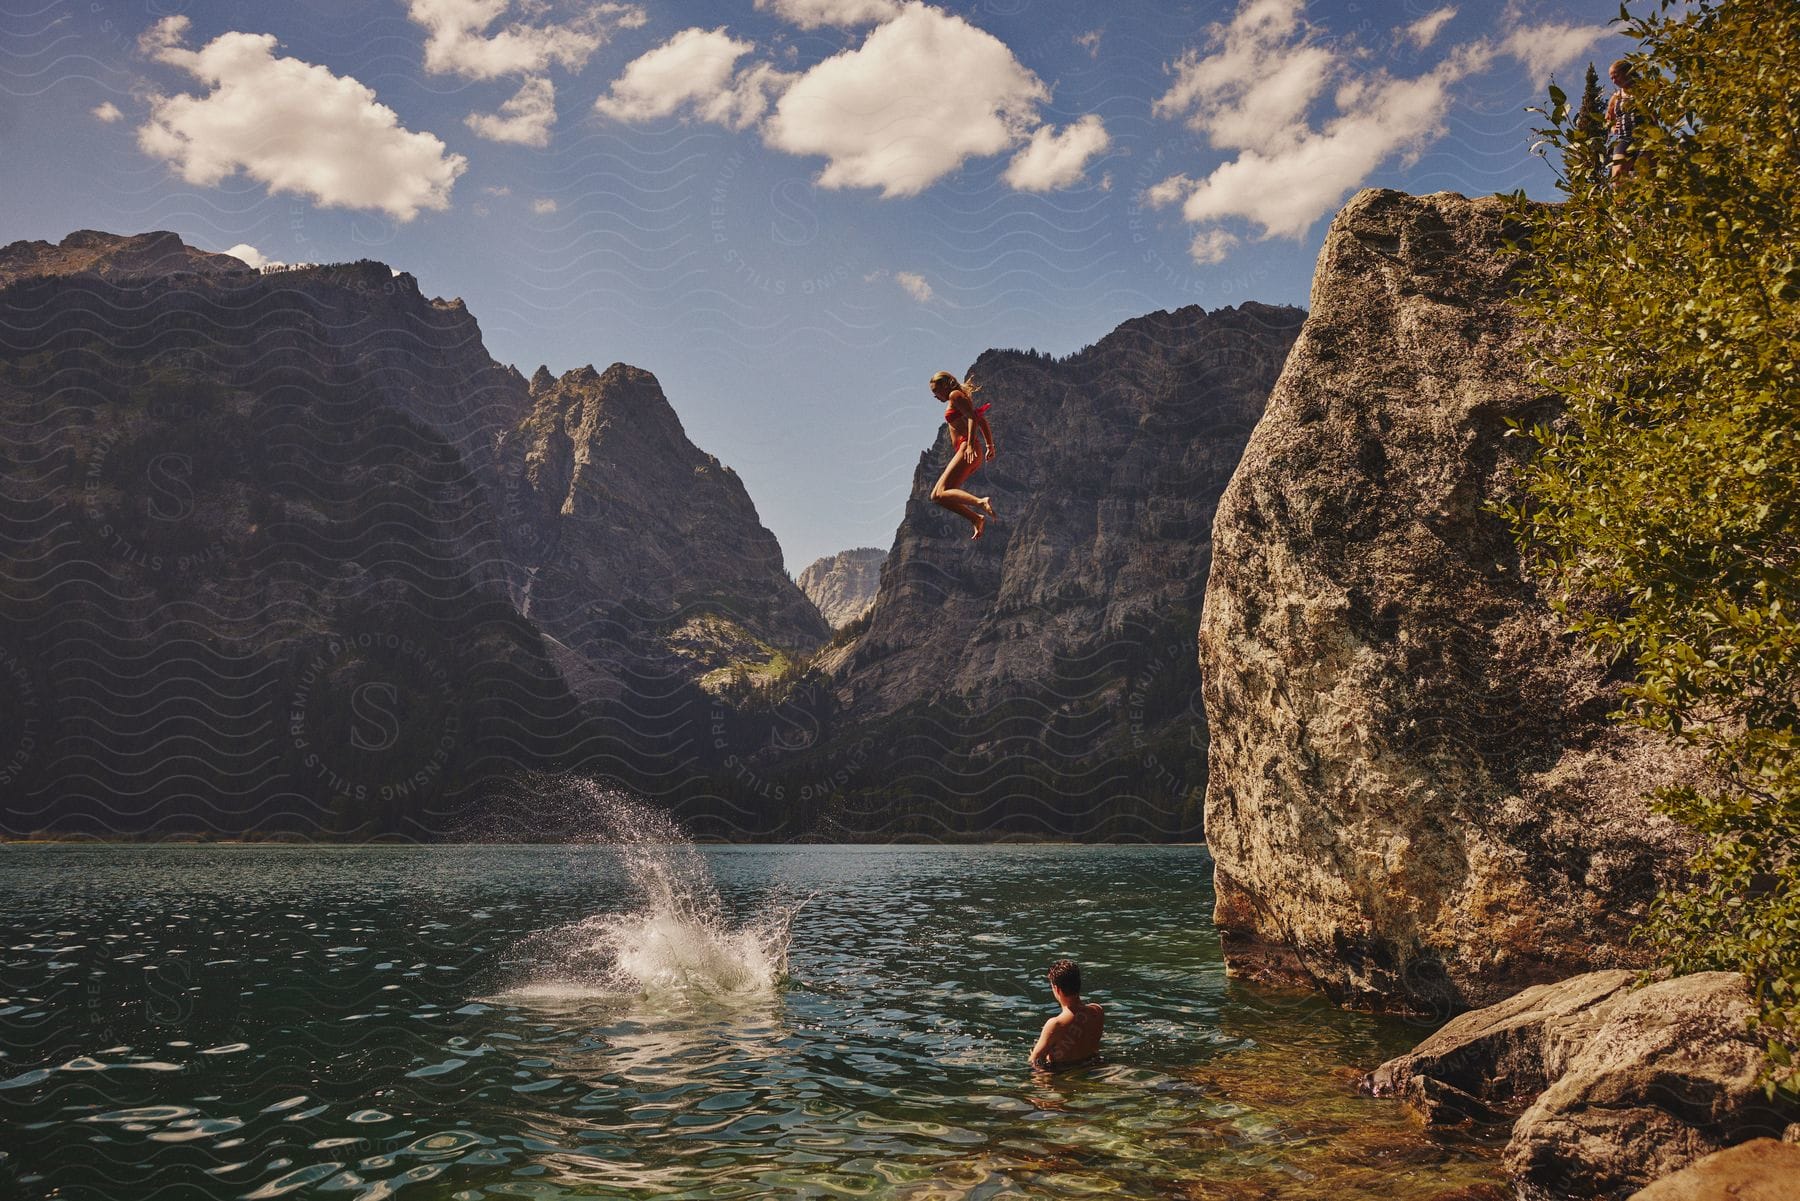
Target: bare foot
pixel 986 507
pixel 979 522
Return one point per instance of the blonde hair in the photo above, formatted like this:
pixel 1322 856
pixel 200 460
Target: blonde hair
pixel 968 385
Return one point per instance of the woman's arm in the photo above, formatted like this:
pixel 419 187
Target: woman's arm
pixel 987 433
pixel 959 400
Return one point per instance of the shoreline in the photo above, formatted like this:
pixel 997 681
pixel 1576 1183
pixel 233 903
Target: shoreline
pixel 396 844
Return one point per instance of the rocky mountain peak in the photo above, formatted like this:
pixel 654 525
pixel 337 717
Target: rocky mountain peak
pixel 1110 462
pixel 114 257
pixel 843 585
pixel 634 511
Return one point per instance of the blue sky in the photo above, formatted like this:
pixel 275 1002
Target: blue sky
pixel 791 211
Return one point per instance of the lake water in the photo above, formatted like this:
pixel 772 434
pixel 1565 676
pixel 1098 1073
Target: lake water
pixel 523 1021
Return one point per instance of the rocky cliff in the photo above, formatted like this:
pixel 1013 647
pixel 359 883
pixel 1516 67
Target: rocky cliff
pixel 1415 799
pixel 1042 677
pixel 842 586
pixel 276 547
pixel 639 546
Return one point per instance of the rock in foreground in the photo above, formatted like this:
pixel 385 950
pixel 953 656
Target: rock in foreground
pixel 1509 1052
pixel 1669 1075
pixel 1619 1085
pixel 1415 798
pixel 1762 1169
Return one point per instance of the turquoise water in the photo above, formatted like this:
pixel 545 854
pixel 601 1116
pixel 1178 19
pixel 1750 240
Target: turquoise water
pixel 257 1021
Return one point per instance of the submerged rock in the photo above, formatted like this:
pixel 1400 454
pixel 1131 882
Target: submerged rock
pixel 1415 798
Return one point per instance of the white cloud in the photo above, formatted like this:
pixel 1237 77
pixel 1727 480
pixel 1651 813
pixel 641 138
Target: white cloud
pixel 846 14
pixel 746 100
pixel 1056 160
pixel 1211 245
pixel 695 69
pixel 915 286
pixel 458 42
pixel 250 254
pixel 107 111
pixel 1286 192
pixel 881 113
pixel 1547 49
pixel 543 206
pixel 1253 94
pixel 921 95
pixel 1424 31
pixel 290 125
pixel 1254 89
pixel 496 190
pixel 1163 194
pixel 1090 41
pixel 525 119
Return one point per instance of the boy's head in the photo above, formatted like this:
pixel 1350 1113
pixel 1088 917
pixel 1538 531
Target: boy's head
pixel 1065 977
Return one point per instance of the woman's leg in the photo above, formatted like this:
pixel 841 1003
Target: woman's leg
pixel 948 493
pixel 950 484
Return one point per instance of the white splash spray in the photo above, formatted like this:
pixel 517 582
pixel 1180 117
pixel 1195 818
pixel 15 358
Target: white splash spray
pixel 679 940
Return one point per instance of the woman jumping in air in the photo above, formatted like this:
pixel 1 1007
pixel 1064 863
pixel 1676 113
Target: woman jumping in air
pixel 969 430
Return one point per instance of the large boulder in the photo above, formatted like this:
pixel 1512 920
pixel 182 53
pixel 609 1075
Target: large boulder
pixel 1669 1076
pixel 1415 799
pixel 1612 1086
pixel 1485 1059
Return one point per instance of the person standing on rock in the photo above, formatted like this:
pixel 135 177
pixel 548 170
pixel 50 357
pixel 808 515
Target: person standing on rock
pixel 969 429
pixel 1621 122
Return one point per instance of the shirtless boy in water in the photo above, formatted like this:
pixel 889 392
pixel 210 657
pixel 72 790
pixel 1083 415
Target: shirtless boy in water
pixel 1074 1034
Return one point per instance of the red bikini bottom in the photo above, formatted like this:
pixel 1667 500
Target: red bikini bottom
pixel 963 469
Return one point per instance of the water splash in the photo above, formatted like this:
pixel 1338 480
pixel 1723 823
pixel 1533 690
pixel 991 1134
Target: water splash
pixel 679 940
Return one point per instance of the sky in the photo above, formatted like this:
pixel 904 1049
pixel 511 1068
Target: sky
pixel 793 212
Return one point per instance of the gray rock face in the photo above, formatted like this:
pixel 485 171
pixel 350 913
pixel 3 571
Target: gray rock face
pixel 268 498
pixel 842 586
pixel 1612 1086
pixel 1108 469
pixel 241 506
pixel 1415 799
pixel 632 537
pixel 1763 1169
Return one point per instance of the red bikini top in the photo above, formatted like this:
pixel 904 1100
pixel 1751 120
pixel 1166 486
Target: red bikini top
pixel 950 410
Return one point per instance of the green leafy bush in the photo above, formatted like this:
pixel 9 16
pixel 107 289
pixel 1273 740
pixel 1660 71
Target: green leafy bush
pixel 1664 510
